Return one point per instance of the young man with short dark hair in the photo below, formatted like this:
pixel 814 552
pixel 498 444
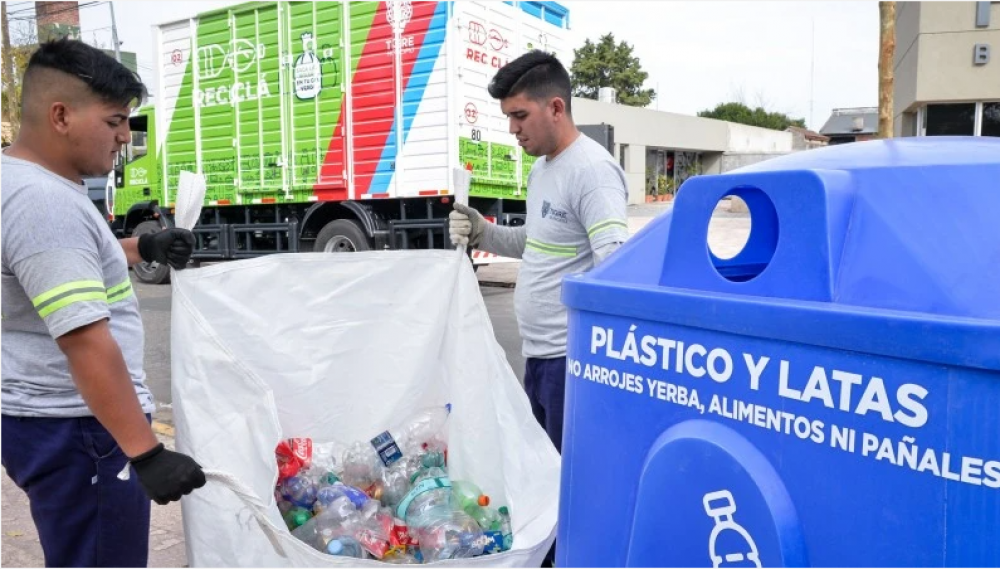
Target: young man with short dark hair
pixel 75 407
pixel 576 217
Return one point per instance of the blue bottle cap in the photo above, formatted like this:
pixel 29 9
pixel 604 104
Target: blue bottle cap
pixel 335 547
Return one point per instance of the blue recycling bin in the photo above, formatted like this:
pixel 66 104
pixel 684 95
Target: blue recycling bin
pixel 830 396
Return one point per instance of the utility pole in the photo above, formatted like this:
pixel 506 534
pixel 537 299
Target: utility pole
pixel 13 105
pixel 114 33
pixel 887 49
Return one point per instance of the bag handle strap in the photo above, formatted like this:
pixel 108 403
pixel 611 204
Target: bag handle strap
pixel 256 506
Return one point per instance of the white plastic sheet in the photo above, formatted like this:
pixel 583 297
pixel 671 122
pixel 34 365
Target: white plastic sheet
pixel 334 347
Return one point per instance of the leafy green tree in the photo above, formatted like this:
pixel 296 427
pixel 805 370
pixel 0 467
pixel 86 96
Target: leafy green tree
pixel 740 113
pixel 607 64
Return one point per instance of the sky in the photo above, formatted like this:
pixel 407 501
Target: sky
pixel 802 58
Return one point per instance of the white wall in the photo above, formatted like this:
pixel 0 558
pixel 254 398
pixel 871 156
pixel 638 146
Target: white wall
pixel 653 128
pixel 743 138
pixel 721 143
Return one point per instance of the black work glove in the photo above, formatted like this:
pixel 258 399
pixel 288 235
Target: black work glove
pixel 166 475
pixel 173 246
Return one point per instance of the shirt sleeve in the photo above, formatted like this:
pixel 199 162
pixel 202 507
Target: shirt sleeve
pixel 504 241
pixel 53 251
pixel 603 207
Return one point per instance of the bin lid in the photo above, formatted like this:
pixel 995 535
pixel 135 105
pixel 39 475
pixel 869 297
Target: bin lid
pixel 888 247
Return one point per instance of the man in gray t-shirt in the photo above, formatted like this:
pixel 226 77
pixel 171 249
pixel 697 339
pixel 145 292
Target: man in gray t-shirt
pixel 576 217
pixel 74 401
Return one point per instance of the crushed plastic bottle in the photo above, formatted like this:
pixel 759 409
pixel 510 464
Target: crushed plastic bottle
pixel 421 428
pixel 298 490
pixel 326 495
pixel 426 498
pixel 339 519
pixel 375 534
pixel 449 535
pixel 394 484
pixel 362 466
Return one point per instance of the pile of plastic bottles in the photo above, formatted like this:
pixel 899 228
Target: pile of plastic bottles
pixel 389 499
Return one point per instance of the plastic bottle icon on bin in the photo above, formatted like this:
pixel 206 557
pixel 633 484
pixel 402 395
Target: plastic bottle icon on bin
pixel 721 506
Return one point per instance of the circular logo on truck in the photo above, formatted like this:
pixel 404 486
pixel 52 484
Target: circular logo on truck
pixel 471 113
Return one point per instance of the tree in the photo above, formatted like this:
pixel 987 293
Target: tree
pixel 887 49
pixel 19 43
pixel 740 113
pixel 606 64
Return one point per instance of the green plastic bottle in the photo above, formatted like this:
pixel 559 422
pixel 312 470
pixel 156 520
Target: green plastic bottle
pixel 296 517
pixel 505 528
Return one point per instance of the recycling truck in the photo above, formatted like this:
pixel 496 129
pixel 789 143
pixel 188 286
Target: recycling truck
pixel 330 126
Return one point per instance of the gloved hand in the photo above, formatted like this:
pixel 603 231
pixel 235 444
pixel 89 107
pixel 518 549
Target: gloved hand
pixel 466 226
pixel 166 475
pixel 173 246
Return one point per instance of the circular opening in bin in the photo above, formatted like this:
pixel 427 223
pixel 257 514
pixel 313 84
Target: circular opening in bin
pixel 743 234
pixel 729 228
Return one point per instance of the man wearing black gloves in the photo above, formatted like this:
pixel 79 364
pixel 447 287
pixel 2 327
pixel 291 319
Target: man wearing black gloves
pixel 76 432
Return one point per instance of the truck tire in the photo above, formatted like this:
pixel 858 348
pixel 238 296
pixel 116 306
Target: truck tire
pixel 152 273
pixel 342 236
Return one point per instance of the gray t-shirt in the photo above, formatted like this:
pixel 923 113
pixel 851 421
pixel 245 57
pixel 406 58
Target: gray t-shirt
pixel 62 269
pixel 577 204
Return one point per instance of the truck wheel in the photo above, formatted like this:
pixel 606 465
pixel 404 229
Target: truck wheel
pixel 152 273
pixel 341 236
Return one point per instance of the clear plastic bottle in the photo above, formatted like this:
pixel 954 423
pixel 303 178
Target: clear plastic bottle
pixel 421 428
pixel 345 546
pixel 426 498
pixel 298 490
pixel 449 535
pixel 394 484
pixel 375 533
pixel 327 494
pixel 429 473
pixel 339 519
pixel 362 466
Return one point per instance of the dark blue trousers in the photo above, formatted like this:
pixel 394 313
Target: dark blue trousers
pixel 545 383
pixel 85 515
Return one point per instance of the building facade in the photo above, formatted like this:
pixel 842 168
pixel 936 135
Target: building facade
pixel 659 151
pixel 947 69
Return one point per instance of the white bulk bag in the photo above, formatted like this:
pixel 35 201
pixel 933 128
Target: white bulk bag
pixel 335 347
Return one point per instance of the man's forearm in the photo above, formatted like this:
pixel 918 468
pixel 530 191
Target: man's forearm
pixel 101 376
pixel 504 241
pixel 131 248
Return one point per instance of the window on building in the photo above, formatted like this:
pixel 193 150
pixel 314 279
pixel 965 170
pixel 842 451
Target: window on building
pixel 957 119
pixel 622 151
pixel 991 119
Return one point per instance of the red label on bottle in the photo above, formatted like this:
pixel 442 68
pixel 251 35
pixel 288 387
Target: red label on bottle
pixel 288 463
pixel 302 448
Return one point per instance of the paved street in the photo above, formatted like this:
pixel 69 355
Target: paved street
pixel 20 546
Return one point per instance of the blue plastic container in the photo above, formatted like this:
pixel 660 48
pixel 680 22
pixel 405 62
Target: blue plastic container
pixel 829 397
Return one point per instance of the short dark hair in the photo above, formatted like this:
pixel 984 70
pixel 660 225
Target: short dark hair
pixel 108 79
pixel 537 74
